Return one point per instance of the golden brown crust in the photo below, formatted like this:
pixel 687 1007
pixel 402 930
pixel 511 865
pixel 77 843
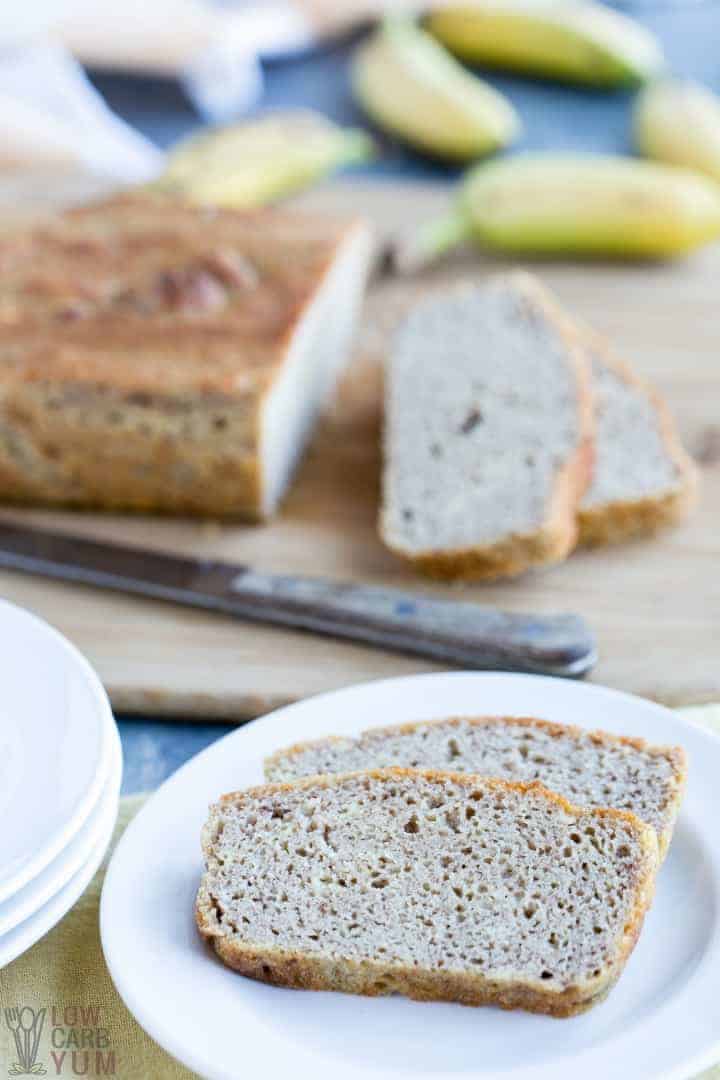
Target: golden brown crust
pixel 282 967
pixel 373 979
pixel 139 340
pixel 558 534
pixel 675 755
pixel 623 519
pixel 630 519
pixel 188 298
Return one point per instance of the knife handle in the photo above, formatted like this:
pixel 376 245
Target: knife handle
pixel 450 631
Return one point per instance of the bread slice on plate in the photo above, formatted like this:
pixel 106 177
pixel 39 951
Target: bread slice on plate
pixel 439 886
pixel 590 769
pixel 488 423
pixel 166 357
pixel 643 479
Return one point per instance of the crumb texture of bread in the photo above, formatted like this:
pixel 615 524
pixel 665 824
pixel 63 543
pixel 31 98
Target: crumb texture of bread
pixel 589 769
pixel 488 422
pixel 435 885
pixel 158 356
pixel 643 479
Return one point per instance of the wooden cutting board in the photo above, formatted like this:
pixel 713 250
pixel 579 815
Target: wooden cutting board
pixel 655 606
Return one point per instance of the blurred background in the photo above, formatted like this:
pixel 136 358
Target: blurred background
pixel 168 67
pixel 93 95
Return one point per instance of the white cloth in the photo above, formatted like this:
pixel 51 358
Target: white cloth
pixel 52 117
pixel 214 49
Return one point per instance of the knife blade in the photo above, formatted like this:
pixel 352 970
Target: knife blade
pixel 451 631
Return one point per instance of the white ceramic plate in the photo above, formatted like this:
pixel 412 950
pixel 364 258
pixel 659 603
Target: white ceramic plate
pixel 22 937
pixel 56 740
pixel 26 901
pixel 662 1019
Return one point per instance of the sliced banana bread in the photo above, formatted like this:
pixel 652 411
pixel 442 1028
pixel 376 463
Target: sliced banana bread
pixel 488 421
pixel 435 885
pixel 591 769
pixel 642 479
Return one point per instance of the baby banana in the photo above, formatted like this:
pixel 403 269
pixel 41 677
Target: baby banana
pixel 679 122
pixel 571 40
pixel 414 89
pixel 262 160
pixel 552 204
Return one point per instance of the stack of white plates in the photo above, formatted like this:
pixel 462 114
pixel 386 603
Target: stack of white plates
pixel 60 770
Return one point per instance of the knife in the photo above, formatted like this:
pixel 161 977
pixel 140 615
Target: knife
pixel 451 631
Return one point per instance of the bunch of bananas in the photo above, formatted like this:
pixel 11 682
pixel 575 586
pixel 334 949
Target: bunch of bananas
pixel 408 80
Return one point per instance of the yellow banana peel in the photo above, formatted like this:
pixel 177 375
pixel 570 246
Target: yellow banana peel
pixel 679 122
pixel 254 163
pixel 411 87
pixel 589 205
pixel 571 40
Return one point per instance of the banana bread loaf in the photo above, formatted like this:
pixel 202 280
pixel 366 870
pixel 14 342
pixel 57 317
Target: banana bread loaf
pixel 160 357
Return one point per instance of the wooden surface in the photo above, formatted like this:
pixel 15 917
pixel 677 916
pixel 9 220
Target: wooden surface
pixel 655 606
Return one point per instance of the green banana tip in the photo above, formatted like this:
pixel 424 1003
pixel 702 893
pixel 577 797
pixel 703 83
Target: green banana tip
pixel 359 146
pixel 393 23
pixel 421 247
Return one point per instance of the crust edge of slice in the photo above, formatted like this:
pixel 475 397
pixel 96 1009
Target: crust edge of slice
pixel 623 519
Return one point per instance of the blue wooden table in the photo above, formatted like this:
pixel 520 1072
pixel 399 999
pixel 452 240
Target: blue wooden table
pixel 554 117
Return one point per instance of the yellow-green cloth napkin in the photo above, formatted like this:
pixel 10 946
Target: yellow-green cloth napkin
pixel 66 971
